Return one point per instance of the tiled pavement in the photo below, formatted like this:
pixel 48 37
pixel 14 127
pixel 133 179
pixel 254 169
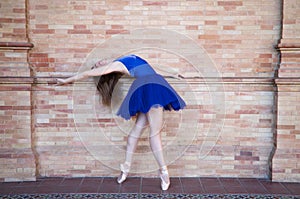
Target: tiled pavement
pixel 151 185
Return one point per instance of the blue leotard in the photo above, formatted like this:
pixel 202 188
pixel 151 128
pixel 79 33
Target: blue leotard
pixel 136 66
pixel 149 89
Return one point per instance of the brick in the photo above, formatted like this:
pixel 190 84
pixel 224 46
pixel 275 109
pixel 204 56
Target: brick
pixel 286 126
pixel 79 31
pixel 155 3
pixel 41 7
pixel 246 158
pixel 20 21
pixel 38 55
pixel 18 10
pixel 230 3
pixel 6 20
pixel 209 37
pixel 79 26
pixel 229 27
pixel 246 153
pixel 210 22
pixel 43 31
pixel 42 26
pixel 80 7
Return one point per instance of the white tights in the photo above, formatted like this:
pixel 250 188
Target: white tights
pixel 155 120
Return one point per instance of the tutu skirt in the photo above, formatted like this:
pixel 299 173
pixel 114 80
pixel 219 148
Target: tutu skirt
pixel 147 92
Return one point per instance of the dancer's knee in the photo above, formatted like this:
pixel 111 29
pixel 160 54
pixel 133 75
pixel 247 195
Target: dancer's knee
pixel 131 141
pixel 155 143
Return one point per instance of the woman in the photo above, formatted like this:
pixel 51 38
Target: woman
pixel 149 95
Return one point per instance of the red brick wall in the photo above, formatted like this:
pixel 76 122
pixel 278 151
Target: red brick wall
pixel 237 35
pixel 227 128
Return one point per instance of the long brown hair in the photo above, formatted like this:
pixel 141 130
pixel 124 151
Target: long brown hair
pixel 106 84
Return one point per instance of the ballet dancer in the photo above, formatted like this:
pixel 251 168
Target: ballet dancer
pixel 149 95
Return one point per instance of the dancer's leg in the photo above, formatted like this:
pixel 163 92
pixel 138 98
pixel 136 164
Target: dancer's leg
pixel 134 136
pixel 155 119
pixel 132 141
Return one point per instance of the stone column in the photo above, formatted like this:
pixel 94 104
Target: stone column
pixel 17 160
pixel 286 161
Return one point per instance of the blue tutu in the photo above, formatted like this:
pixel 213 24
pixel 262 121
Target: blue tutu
pixel 148 90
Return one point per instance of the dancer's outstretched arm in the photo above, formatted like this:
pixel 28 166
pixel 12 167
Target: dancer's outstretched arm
pixel 97 70
pixel 168 71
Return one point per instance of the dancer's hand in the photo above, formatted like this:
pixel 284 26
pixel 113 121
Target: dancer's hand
pixel 180 76
pixel 60 82
pixel 100 63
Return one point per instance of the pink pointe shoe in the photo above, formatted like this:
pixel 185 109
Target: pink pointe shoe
pixel 165 179
pixel 124 172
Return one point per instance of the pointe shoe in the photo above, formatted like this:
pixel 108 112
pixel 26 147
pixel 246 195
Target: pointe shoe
pixel 124 172
pixel 165 179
